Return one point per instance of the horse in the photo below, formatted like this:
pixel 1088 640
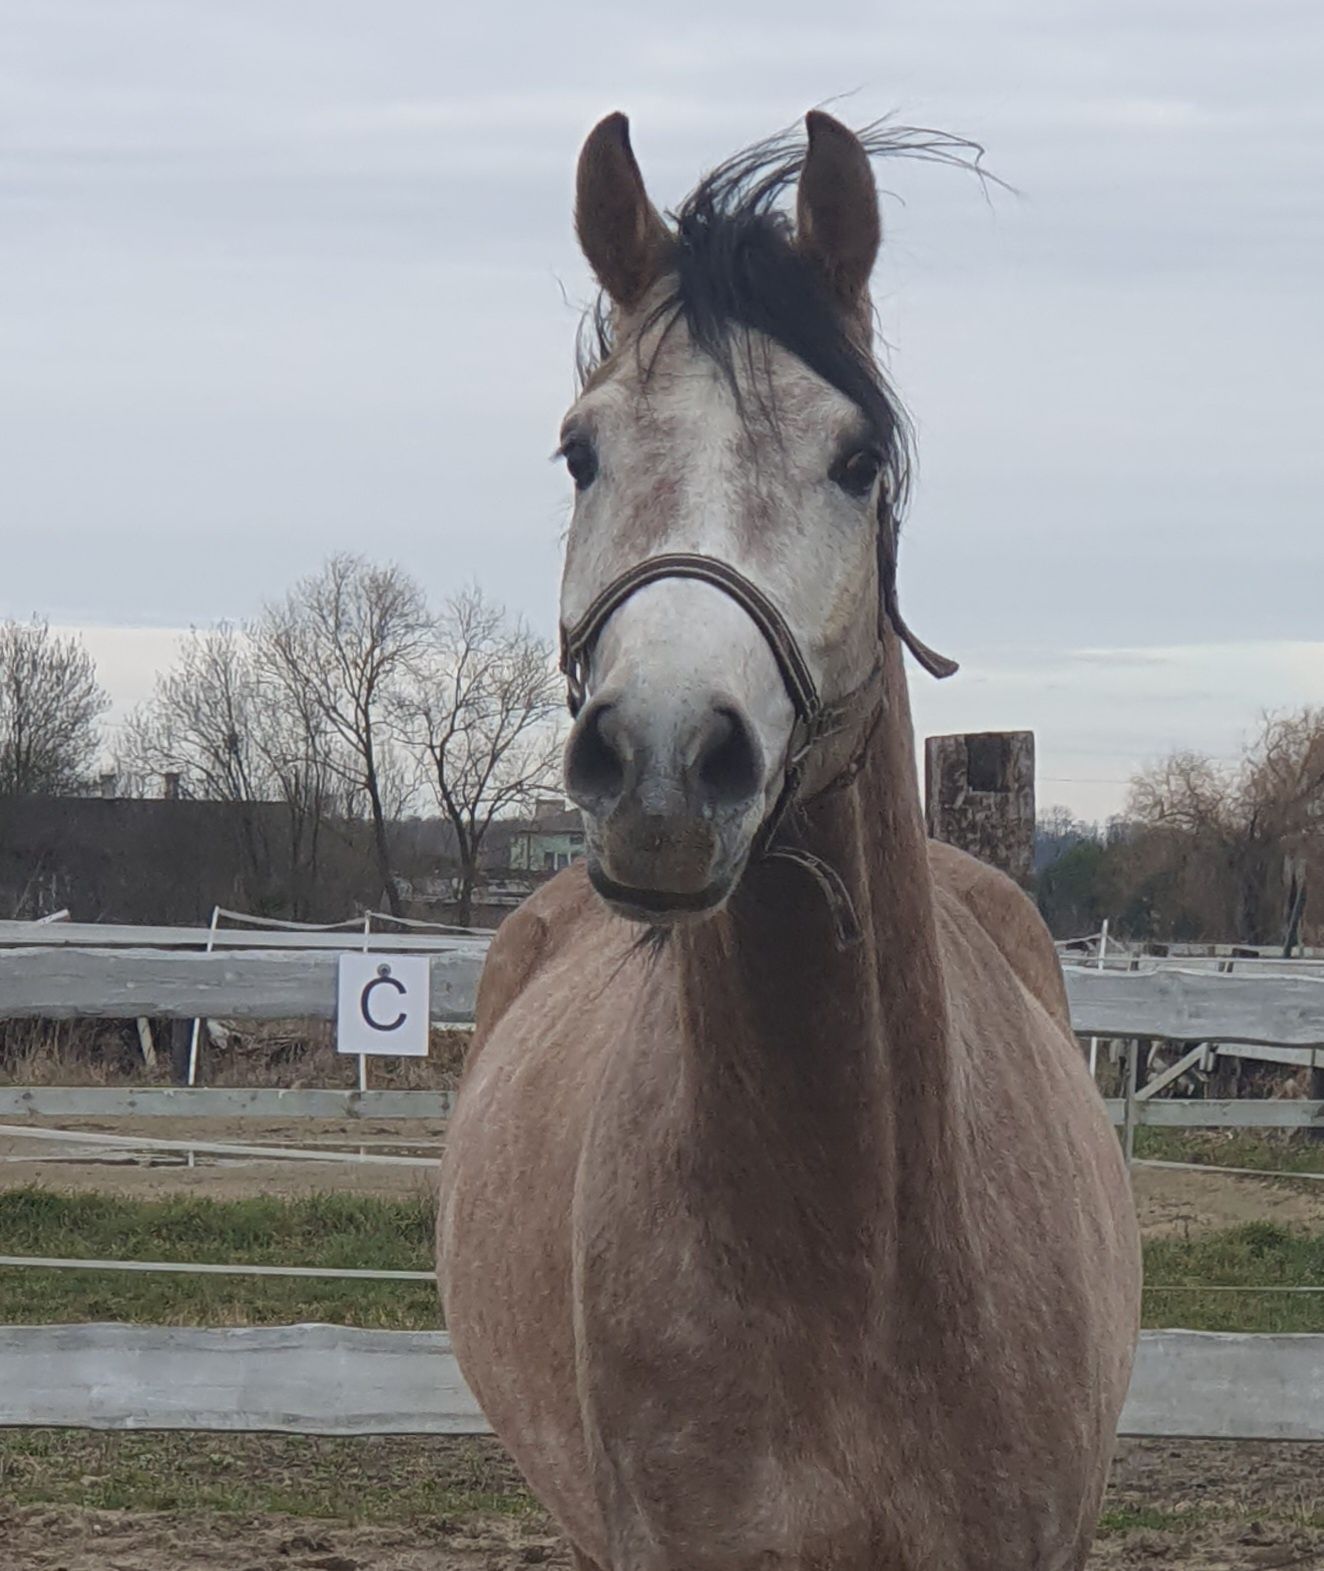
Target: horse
pixel 781 1224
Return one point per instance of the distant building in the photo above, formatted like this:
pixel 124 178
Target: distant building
pixel 118 859
pixel 550 839
pixel 171 858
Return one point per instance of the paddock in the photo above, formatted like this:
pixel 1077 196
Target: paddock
pixel 244 1393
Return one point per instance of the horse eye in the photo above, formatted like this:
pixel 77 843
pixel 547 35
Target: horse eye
pixel 858 470
pixel 581 460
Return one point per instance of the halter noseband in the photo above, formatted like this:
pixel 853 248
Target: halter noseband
pixel 814 720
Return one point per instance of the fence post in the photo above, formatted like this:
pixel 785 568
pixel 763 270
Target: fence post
pixel 197 1024
pixel 363 1062
pixel 1103 955
pixel 145 1042
pixel 1129 1104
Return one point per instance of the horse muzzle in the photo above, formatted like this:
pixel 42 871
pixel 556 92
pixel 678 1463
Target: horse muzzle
pixel 672 795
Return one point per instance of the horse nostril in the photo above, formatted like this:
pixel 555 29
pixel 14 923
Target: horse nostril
pixel 729 762
pixel 594 768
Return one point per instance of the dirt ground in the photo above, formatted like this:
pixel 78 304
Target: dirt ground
pixel 1186 1506
pixel 145 1175
pixel 1174 1203
pixel 1168 1202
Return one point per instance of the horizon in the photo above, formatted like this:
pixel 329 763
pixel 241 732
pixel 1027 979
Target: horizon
pixel 1091 781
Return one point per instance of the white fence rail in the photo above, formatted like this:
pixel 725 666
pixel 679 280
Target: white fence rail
pixel 94 1141
pixel 1113 949
pixel 335 1380
pixel 1249 965
pixel 219 1102
pixel 249 984
pixel 307 1380
pixel 206 1102
pixel 1193 1006
pixel 164 972
pixel 1236 1113
pixel 107 935
pixel 67 982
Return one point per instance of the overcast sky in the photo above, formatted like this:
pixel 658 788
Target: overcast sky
pixel 282 277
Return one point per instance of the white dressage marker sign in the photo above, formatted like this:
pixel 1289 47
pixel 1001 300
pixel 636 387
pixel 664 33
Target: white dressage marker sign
pixel 382 1005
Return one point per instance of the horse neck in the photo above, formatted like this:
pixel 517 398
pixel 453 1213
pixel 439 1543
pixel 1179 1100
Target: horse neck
pixel 822 1068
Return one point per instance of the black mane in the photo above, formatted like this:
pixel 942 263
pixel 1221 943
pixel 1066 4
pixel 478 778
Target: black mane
pixel 739 273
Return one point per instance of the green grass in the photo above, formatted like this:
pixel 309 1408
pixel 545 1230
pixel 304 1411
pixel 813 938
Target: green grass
pixel 1258 1254
pixel 1185 1517
pixel 378 1480
pixel 349 1231
pixel 333 1231
pixel 1130 1519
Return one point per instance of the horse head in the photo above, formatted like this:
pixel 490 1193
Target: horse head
pixel 738 463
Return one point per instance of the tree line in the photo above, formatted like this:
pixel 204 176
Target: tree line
pixel 50 708
pixel 1204 850
pixel 351 702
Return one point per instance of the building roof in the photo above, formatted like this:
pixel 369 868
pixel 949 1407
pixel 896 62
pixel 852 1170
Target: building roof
pixel 550 816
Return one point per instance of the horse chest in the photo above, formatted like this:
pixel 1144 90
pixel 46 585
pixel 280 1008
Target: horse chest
pixel 721 1429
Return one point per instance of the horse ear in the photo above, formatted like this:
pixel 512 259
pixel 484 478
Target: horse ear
pixel 837 208
pixel 621 233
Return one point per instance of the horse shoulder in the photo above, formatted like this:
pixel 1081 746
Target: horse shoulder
pixel 1010 919
pixel 526 942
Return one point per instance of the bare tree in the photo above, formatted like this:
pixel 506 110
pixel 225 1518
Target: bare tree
pixel 50 703
pixel 1282 788
pixel 236 734
pixel 314 772
pixel 203 721
pixel 207 723
pixel 1220 841
pixel 340 645
pixel 477 715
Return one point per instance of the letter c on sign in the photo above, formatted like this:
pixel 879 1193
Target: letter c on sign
pixel 382 979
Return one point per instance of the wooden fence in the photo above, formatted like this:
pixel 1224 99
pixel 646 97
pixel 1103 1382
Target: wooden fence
pixel 1275 1014
pixel 336 1380
pixel 258 1102
pixel 357 936
pixel 163 976
pixel 240 984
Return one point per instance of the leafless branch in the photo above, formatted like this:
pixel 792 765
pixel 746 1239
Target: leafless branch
pixel 477 715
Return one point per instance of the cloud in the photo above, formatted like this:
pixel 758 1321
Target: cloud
pixel 1100 718
pixel 287 279
pixel 1119 659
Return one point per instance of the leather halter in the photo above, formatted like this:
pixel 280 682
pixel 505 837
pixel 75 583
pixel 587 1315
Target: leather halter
pixel 814 720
